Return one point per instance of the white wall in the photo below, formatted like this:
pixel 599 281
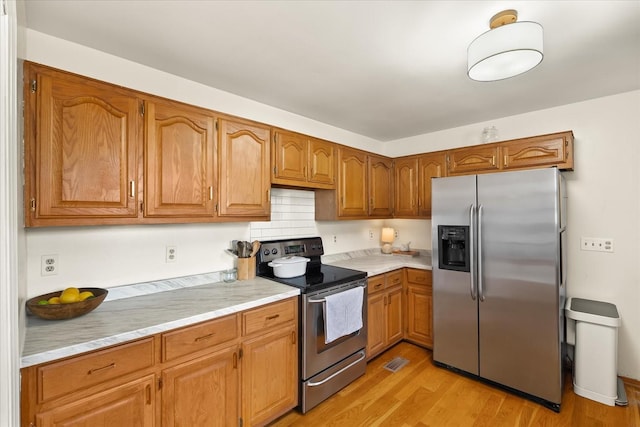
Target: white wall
pixel 604 198
pixel 55 52
pixel 604 193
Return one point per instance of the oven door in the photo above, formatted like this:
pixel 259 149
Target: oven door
pixel 316 355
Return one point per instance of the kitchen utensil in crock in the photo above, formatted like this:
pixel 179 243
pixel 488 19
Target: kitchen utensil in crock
pixel 255 248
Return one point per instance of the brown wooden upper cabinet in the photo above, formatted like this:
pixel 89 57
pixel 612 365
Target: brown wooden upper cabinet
pixel 380 176
pixel 539 151
pixel 432 165
pixel 94 151
pixel 365 187
pixel 406 187
pixel 352 183
pixel 179 161
pixel 244 179
pixel 475 159
pixel 82 150
pixel 302 161
pixel 413 183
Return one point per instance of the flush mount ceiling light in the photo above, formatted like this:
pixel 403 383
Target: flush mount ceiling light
pixel 509 48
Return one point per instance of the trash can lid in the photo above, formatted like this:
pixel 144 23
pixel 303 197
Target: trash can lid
pixel 598 312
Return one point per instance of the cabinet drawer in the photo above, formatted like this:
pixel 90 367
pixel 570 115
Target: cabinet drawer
pixel 419 276
pixel 266 317
pixel 394 278
pixel 375 284
pixel 69 375
pixel 198 337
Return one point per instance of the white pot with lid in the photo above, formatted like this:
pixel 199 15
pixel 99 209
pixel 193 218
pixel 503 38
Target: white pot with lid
pixel 290 266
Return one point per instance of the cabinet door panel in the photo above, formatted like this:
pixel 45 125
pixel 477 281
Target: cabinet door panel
pixel 535 152
pixel 394 315
pixel 202 392
pixel 290 157
pixel 430 166
pixel 419 315
pixel 472 160
pixel 353 183
pixel 131 404
pixel 376 324
pixel 87 148
pixel 244 170
pixel 380 186
pixel 322 162
pixel 406 182
pixel 179 159
pixel 270 375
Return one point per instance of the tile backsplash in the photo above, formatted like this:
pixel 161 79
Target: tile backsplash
pixel 292 215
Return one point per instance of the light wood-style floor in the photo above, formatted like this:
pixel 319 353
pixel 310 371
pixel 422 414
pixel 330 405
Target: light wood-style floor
pixel 421 394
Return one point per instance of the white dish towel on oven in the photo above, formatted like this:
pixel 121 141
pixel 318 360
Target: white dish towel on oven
pixel 343 313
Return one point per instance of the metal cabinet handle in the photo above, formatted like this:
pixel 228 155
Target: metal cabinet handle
pixel 102 368
pixel 205 337
pixel 275 316
pixel 132 189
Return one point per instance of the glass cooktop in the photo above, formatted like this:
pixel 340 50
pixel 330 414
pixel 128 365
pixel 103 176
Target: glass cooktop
pixel 319 276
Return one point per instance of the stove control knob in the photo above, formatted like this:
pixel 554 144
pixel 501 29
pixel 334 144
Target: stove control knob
pixel 266 252
pixel 274 251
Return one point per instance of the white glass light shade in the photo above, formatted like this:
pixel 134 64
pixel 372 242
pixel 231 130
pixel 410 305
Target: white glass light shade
pixel 505 51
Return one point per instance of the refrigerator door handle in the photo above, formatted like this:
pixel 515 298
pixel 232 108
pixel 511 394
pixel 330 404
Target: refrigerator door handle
pixel 472 210
pixel 480 284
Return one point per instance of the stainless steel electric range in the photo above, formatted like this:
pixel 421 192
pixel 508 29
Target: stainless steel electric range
pixel 324 368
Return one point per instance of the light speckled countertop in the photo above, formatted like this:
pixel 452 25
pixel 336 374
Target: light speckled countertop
pixel 374 262
pixel 125 319
pixel 139 310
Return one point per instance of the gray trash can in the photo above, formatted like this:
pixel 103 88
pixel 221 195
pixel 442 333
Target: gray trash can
pixel 595 361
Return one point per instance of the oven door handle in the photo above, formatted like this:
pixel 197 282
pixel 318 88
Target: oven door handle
pixel 318 301
pixel 330 377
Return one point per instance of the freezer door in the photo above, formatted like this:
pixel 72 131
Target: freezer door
pixel 455 311
pixel 519 253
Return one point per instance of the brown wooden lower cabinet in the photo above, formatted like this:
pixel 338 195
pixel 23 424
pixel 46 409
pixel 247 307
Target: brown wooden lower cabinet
pixel 202 392
pixel 392 317
pixel 223 376
pixel 129 404
pixel 419 307
pixel 384 312
pixel 269 375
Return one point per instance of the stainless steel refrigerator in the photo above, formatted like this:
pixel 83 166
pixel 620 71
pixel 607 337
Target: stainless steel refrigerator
pixel 498 279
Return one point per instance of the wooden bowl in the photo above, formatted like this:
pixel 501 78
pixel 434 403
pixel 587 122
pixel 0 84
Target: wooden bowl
pixel 66 311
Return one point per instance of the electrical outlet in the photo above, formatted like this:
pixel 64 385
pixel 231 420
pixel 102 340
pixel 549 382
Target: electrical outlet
pixel 396 233
pixel 49 265
pixel 596 244
pixel 171 254
pixel 335 239
pixel 370 234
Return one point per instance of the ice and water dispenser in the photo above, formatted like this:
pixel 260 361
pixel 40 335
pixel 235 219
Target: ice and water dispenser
pixel 453 247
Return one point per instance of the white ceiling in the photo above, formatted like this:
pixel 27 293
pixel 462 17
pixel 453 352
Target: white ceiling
pixel 383 69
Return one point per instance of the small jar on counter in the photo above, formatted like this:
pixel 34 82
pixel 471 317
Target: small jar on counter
pixel 230 275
